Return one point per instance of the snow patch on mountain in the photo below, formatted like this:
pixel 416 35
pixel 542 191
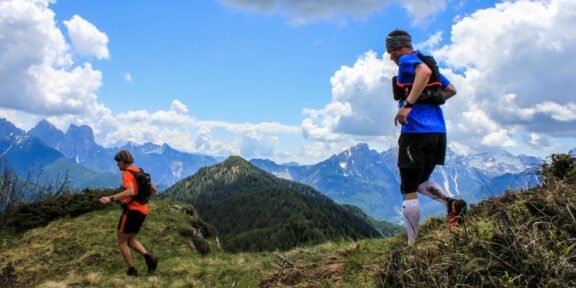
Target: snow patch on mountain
pixel 284 174
pixel 176 167
pixel 149 148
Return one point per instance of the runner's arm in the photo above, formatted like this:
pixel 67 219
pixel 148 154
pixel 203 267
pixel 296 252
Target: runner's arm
pixel 124 194
pixel 154 189
pixel 423 74
pixel 129 192
pixel 448 91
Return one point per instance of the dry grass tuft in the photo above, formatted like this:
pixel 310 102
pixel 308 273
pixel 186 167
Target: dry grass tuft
pixel 523 239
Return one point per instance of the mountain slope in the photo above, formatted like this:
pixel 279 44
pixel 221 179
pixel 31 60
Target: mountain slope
pixel 368 179
pixel 523 239
pixel 285 213
pixel 358 176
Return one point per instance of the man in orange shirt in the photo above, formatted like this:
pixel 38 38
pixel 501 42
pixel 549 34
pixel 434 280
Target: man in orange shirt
pixel 133 214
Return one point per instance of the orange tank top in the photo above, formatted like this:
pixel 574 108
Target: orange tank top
pixel 129 180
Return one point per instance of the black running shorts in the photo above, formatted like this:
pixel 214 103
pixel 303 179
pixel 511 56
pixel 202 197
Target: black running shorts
pixel 130 222
pixel 420 150
pixel 411 178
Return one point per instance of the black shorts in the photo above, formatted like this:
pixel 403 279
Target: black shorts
pixel 420 150
pixel 130 222
pixel 411 178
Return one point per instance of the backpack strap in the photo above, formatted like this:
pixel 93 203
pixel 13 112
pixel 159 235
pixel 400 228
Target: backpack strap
pixel 431 93
pixel 134 175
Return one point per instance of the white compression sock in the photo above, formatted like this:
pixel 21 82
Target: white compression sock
pixel 434 191
pixel 411 211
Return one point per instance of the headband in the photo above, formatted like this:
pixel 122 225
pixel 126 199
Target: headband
pixel 396 42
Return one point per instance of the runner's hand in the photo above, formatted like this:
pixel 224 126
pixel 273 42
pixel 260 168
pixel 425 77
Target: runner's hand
pixel 105 200
pixel 401 116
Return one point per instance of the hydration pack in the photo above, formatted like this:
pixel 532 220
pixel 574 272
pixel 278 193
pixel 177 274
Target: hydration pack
pixel 144 182
pixel 431 93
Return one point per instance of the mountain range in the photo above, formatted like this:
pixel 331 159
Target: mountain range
pixel 32 159
pixel 369 179
pixel 166 164
pixel 359 176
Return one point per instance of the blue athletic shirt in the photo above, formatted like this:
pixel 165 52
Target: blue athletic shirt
pixel 423 118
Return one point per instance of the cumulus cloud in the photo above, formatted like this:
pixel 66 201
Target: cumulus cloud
pixel 509 64
pixel 361 102
pixel 86 38
pixel 176 127
pixel 205 143
pixel 515 55
pixel 304 11
pixel 179 107
pixel 499 138
pixel 256 145
pixel 537 141
pixel 36 65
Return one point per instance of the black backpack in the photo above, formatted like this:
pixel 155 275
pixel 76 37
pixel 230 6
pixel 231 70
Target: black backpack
pixel 144 182
pixel 431 94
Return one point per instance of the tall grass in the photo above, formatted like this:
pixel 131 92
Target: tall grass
pixel 523 239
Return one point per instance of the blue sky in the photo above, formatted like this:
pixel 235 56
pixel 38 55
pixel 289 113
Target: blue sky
pixel 286 80
pixel 225 63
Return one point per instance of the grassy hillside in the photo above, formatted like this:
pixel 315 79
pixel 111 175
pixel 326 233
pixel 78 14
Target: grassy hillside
pixel 523 239
pixel 82 252
pixel 533 246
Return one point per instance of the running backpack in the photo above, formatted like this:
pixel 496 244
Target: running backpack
pixel 431 93
pixel 144 183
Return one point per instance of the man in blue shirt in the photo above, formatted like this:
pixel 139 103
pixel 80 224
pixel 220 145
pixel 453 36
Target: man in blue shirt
pixel 422 142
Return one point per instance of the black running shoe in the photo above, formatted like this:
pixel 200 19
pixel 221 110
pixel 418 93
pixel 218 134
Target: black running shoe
pixel 456 212
pixel 132 272
pixel 151 262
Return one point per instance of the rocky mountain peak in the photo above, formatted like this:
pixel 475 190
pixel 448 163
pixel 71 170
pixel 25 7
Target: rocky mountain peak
pixel 83 133
pixel 48 133
pixel 7 129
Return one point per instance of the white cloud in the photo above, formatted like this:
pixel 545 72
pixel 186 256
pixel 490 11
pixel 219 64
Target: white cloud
pixel 517 56
pixel 127 77
pixel 179 107
pixel 254 145
pixel 263 127
pixel 86 38
pixel 361 102
pixel 180 130
pixel 423 10
pixel 37 66
pixel 431 43
pixel 205 143
pixel 305 11
pixel 537 141
pixel 499 138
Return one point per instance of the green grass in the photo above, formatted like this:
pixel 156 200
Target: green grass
pixel 532 245
pixel 82 252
